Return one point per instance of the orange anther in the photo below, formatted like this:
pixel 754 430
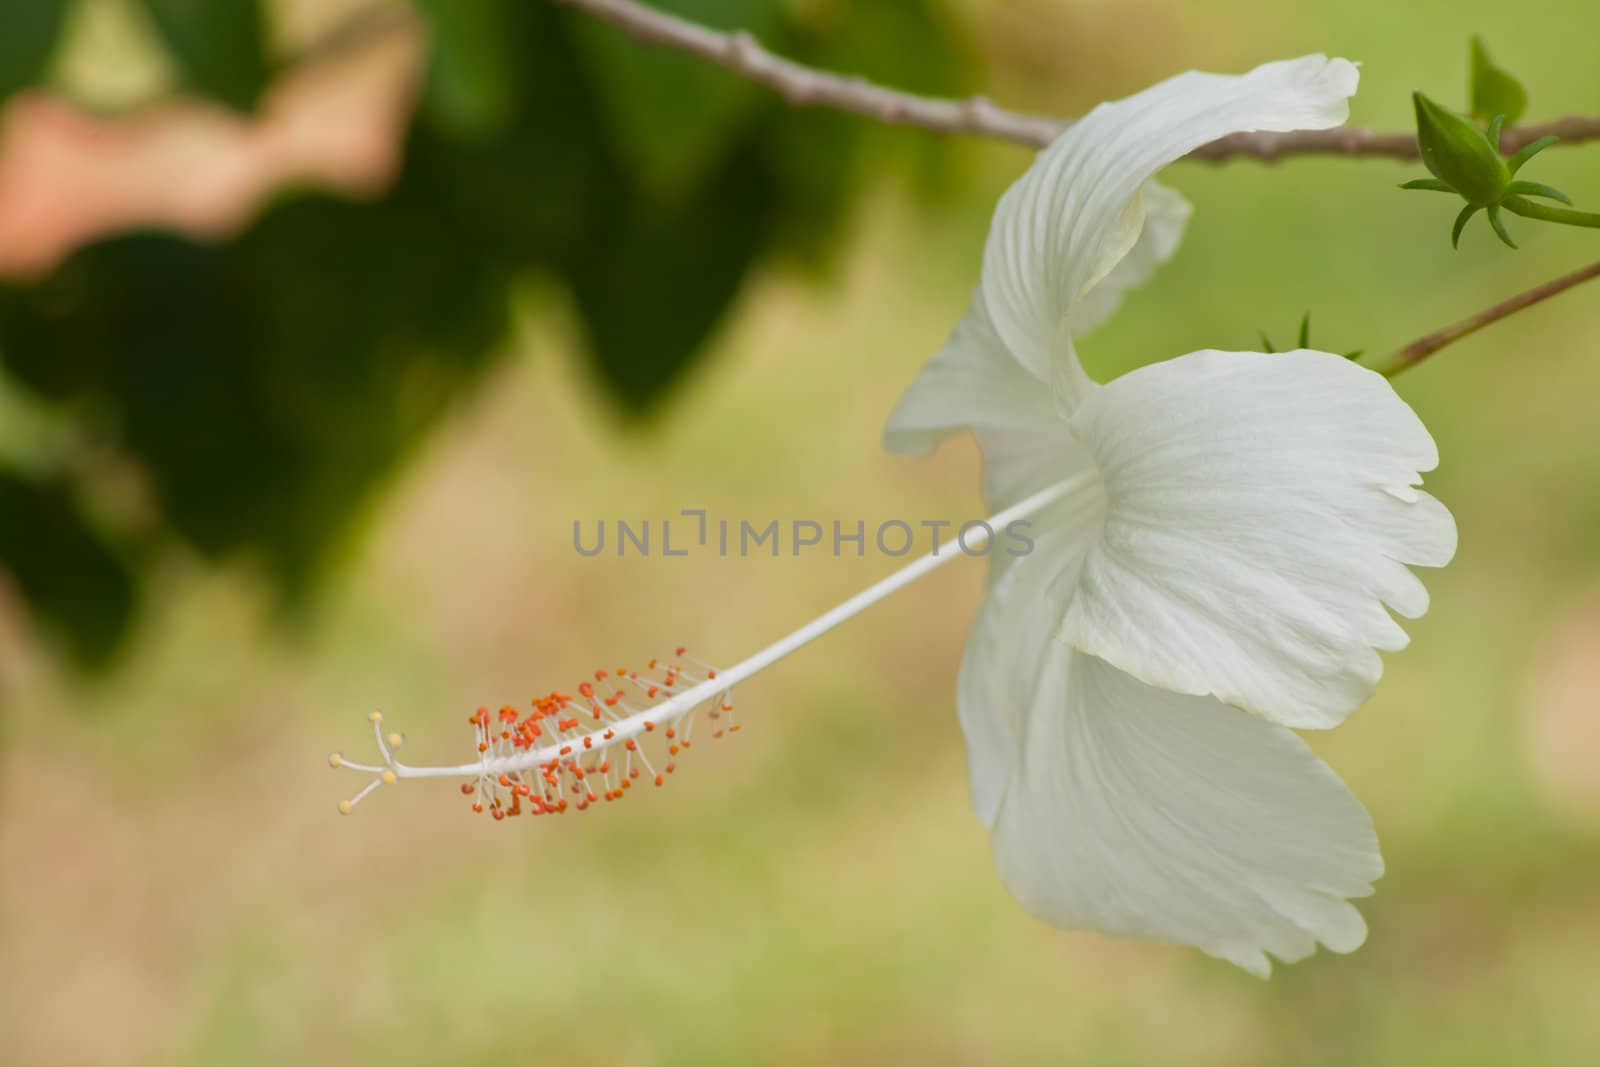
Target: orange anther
pixel 672 750
pixel 671 733
pixel 680 650
pixel 566 750
pixel 671 767
pixel 660 780
pixel 711 674
pixel 649 726
pixel 467 788
pixel 588 741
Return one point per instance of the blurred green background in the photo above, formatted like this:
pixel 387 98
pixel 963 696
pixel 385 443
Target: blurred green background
pixel 296 463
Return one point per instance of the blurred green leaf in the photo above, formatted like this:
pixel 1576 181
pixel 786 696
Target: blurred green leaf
pixel 822 156
pixel 473 80
pixel 265 386
pixel 71 578
pixel 1494 92
pixel 219 45
pixel 651 287
pixel 668 112
pixel 28 33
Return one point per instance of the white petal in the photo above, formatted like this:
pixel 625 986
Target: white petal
pixel 1010 644
pixel 971 381
pixel 1153 814
pixel 1260 512
pixel 1067 223
pixel 1166 214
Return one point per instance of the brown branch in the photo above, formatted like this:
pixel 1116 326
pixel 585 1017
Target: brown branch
pixel 1423 347
pixel 802 86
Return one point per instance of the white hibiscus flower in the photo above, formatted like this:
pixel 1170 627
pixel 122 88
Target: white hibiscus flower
pixel 1238 529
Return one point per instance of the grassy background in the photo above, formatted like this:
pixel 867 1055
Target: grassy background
pixel 177 890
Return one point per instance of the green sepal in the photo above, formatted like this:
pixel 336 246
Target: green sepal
pixel 1500 226
pixel 1532 149
pixel 1461 223
pixel 1432 185
pixel 1526 188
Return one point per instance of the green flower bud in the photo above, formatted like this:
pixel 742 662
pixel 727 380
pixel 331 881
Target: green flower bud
pixel 1460 154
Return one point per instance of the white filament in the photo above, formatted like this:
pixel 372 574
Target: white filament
pixel 673 709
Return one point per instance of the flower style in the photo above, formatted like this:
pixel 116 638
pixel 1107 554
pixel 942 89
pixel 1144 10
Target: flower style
pixel 1239 528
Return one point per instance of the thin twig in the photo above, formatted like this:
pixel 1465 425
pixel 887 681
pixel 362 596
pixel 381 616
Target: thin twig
pixel 803 86
pixel 1423 347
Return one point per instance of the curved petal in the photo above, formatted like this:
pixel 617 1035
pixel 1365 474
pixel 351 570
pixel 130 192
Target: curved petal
pixel 970 382
pixel 1166 216
pixel 1152 814
pixel 1260 513
pixel 1067 223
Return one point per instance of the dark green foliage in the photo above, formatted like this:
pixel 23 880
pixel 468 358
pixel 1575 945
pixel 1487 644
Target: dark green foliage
pixel 220 46
pixel 76 585
pixel 267 385
pixel 28 32
pixel 474 81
